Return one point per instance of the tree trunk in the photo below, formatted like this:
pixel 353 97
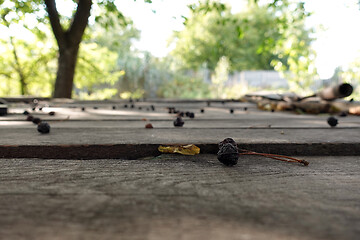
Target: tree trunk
pixel 68 41
pixel 66 71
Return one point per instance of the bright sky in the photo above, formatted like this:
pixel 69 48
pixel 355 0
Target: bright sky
pixel 338 45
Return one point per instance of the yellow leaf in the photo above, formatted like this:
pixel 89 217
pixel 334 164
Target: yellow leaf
pixel 190 149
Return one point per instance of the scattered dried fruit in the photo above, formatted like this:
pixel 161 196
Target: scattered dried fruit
pixel 52 113
pixel 332 121
pixel 26 112
pixel 228 153
pixel 202 110
pixel 191 115
pixel 190 149
pixel 343 114
pixel 3 110
pixel 43 127
pixel 178 122
pixel 83 109
pixel 149 125
pixel 172 110
pixel 231 110
pixel 113 107
pixel 36 120
pixel 29 118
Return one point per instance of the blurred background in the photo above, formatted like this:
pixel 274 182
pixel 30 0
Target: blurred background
pixel 184 48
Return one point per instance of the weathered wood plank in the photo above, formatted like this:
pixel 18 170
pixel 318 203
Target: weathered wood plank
pixel 178 197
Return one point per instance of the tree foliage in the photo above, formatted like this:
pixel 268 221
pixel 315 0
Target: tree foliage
pixel 270 36
pixel 27 66
pixel 97 69
pixel 68 30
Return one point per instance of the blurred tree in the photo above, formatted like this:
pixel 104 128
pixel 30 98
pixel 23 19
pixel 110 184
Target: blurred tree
pixel 350 74
pixel 118 38
pixel 68 31
pixel 26 65
pixel 262 36
pixel 220 76
pixel 97 72
pixel 294 46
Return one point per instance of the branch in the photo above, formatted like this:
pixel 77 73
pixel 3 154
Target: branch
pixel 55 22
pixel 17 66
pixel 80 21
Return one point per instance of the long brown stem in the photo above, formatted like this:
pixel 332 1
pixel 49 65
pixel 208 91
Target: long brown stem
pixel 275 156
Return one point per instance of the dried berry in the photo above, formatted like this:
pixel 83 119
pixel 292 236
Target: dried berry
pixel 202 110
pixel 36 120
pixel 125 106
pixel 40 108
pixel 332 121
pixel 26 112
pixel 29 118
pixel 52 113
pixel 181 114
pixel 152 107
pixel 3 111
pixel 113 107
pixel 191 115
pixel 132 106
pixel 178 122
pixel 95 107
pixel 231 110
pixel 139 108
pixel 187 114
pixel 172 110
pixel 43 127
pixel 227 140
pixel 83 109
pixel 245 108
pixel 149 125
pixel 34 108
pixel 228 153
pixel 343 114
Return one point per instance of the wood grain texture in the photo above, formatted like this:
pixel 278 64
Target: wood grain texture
pixel 180 197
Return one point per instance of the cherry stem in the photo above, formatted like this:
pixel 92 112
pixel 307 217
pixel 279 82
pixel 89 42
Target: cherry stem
pixel 275 156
